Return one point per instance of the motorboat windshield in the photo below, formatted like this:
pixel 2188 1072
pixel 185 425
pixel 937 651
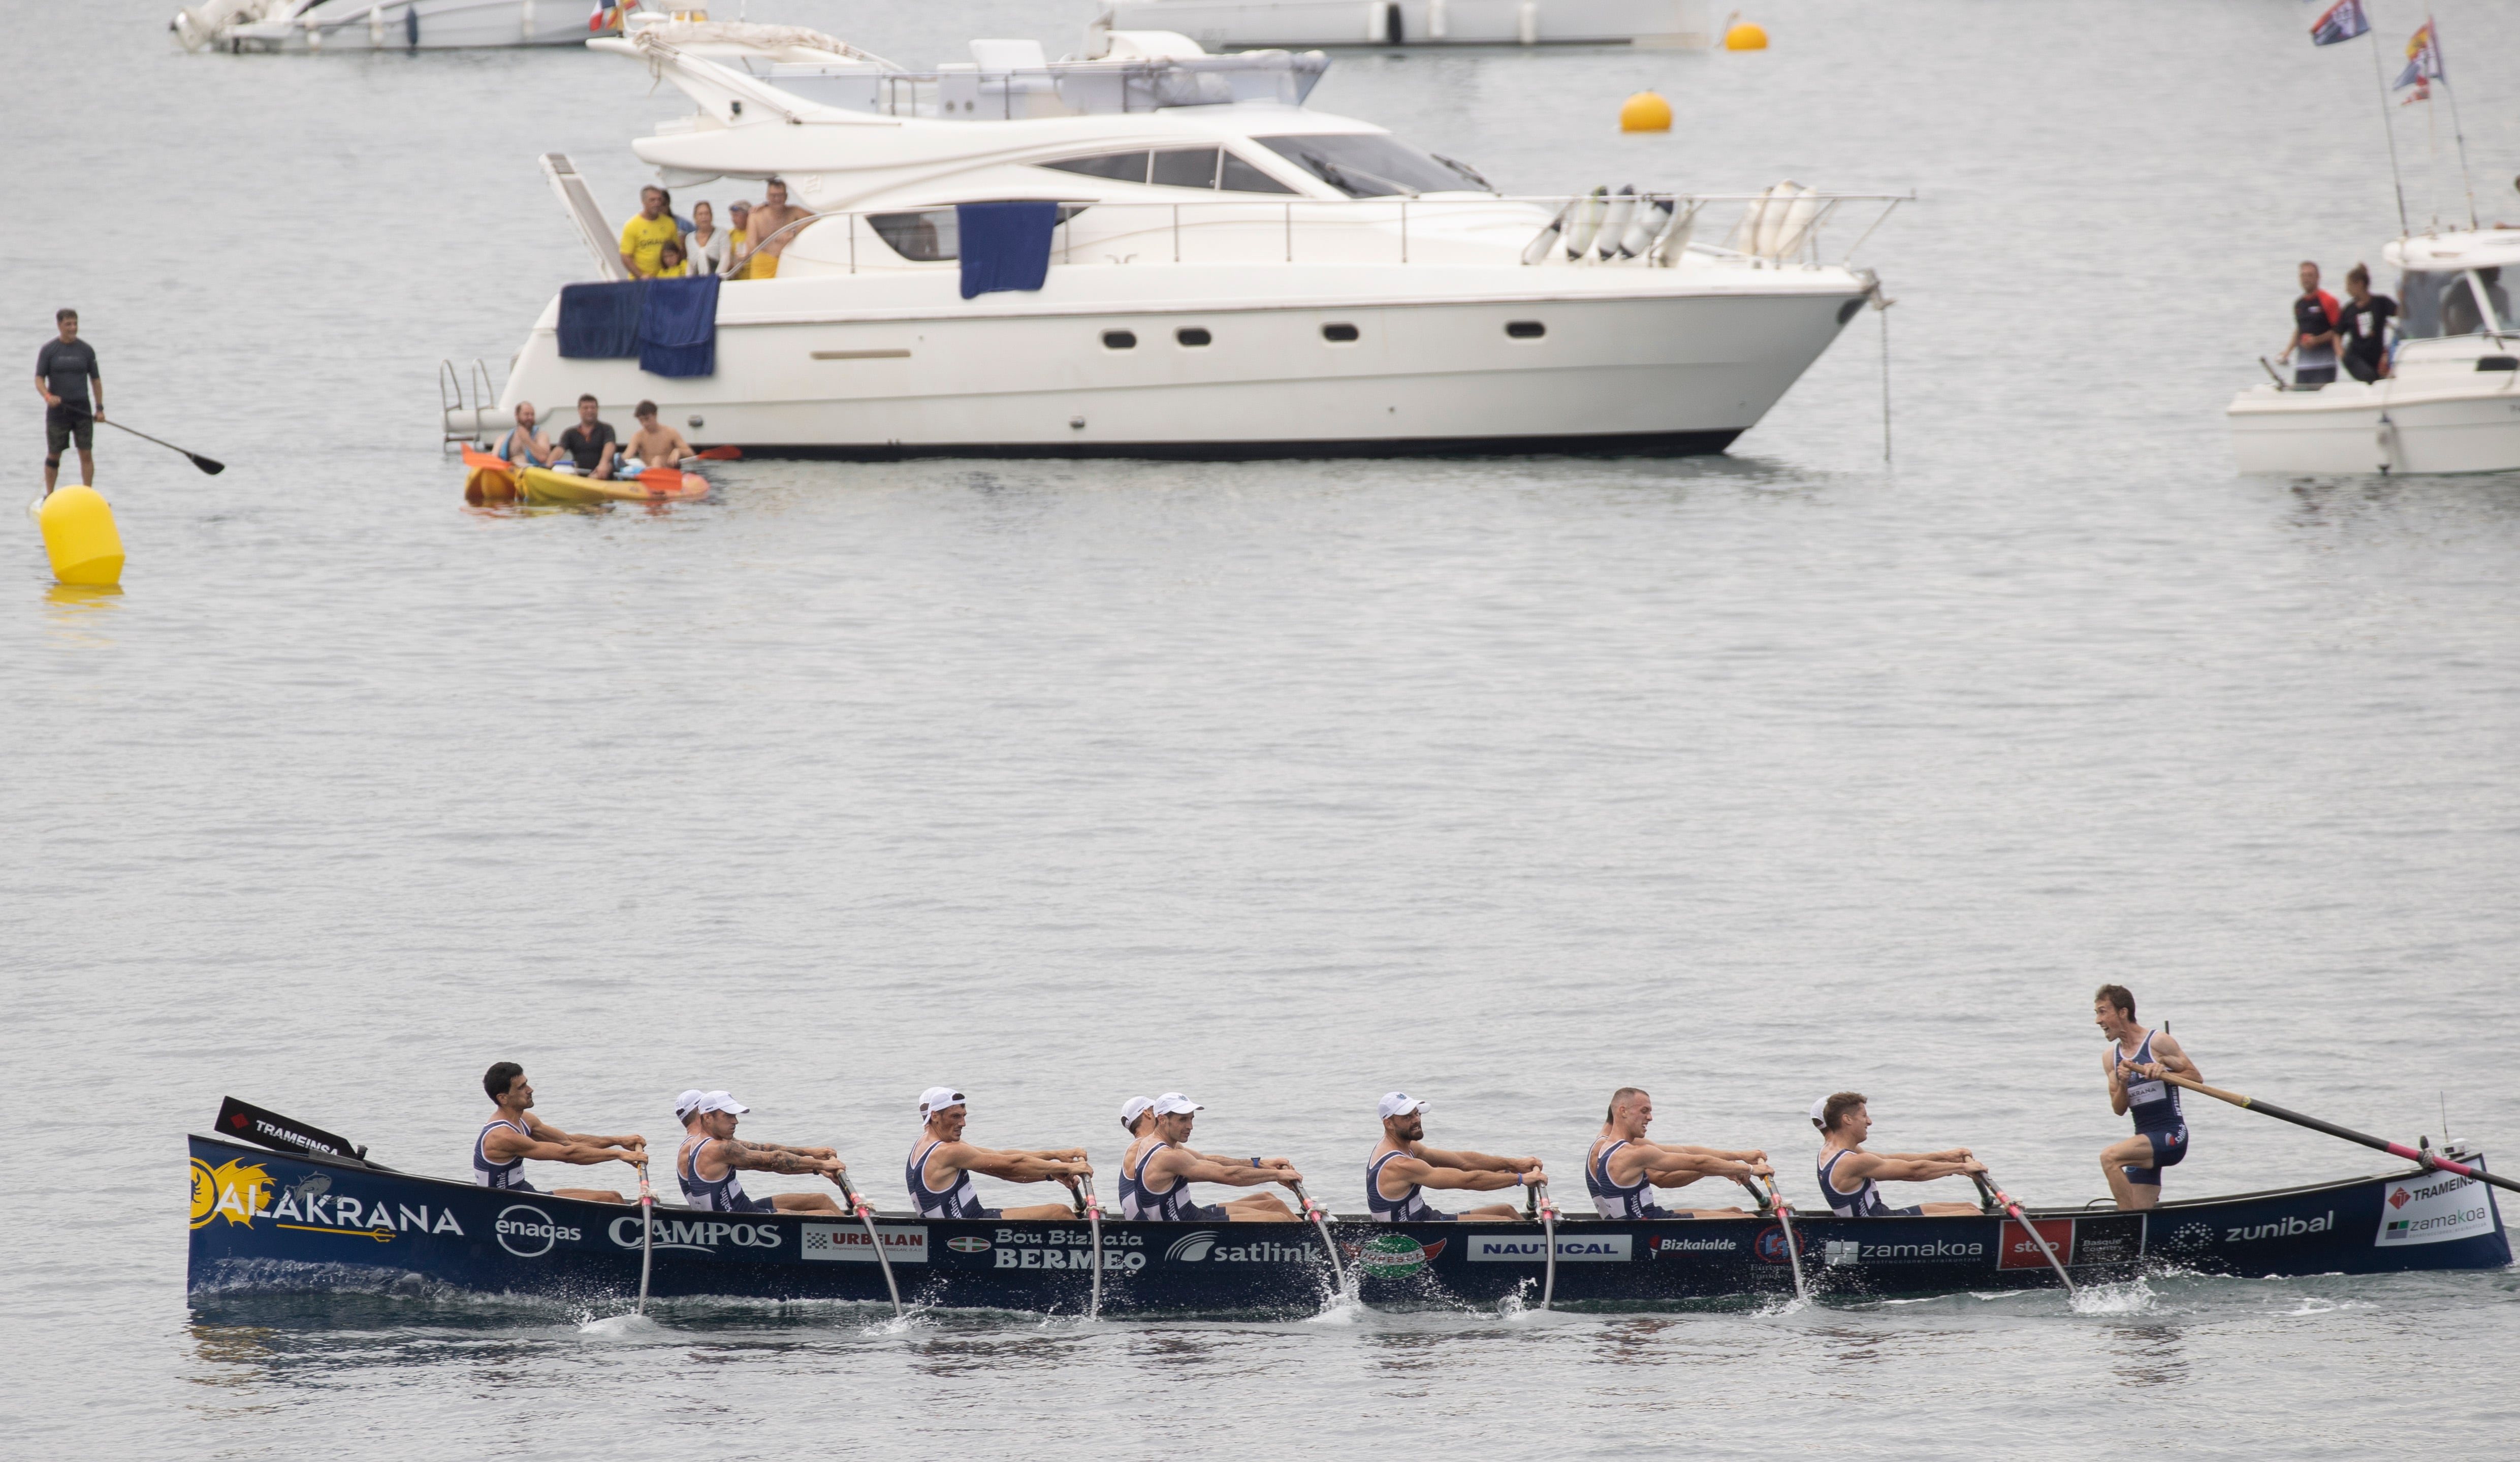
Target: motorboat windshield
pixel 1375 164
pixel 2441 302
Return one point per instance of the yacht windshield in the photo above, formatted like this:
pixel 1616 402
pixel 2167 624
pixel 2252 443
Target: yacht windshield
pixel 2443 301
pixel 1373 164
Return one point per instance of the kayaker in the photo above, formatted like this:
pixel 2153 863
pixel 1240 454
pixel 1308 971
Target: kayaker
pixel 2132 1063
pixel 1623 1168
pixel 654 445
pixel 1157 1171
pixel 521 444
pixel 707 1165
pixel 65 369
pixel 941 1163
pixel 513 1134
pixel 591 443
pixel 1843 1122
pixel 1402 1160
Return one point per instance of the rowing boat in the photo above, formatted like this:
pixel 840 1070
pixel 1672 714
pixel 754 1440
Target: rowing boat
pixel 308 1221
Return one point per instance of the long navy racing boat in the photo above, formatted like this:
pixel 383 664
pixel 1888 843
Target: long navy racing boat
pixel 323 1218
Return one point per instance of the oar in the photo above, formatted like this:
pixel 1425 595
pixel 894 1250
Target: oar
pixel 866 1216
pixel 1313 1211
pixel 646 1232
pixel 1549 1231
pixel 2425 1156
pixel 1094 1220
pixel 1771 1202
pixel 203 463
pixel 2003 1200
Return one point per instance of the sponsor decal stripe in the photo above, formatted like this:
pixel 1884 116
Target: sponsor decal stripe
pixel 380 1235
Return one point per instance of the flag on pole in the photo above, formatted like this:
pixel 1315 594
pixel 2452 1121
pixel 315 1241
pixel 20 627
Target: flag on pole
pixel 2423 59
pixel 2343 21
pixel 606 18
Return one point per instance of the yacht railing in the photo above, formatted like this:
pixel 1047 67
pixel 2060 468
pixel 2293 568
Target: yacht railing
pixel 1073 88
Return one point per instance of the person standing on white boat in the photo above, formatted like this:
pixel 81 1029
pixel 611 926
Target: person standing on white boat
pixel 2362 330
pixel 513 1134
pixel 1402 1164
pixel 738 263
pixel 774 214
pixel 1161 1155
pixel 702 244
pixel 647 232
pixel 2133 1063
pixel 2312 349
pixel 1623 1168
pixel 1844 1121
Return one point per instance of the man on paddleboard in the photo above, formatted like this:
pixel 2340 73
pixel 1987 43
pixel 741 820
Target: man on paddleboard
pixel 1848 1174
pixel 65 369
pixel 514 1134
pixel 2132 1064
pixel 1403 1163
pixel 1156 1173
pixel 939 1171
pixel 708 1165
pixel 1623 1168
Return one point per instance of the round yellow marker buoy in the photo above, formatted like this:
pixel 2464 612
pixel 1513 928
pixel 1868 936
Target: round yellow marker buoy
pixel 1645 112
pixel 1745 37
pixel 79 534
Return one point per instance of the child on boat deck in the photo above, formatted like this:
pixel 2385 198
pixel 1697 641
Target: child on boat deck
pixel 671 263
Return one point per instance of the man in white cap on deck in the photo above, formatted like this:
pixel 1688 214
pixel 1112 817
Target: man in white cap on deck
pixel 1156 1173
pixel 1402 1164
pixel 939 1172
pixel 712 1155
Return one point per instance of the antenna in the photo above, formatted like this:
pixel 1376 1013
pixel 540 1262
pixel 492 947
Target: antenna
pixel 2445 1110
pixel 2394 177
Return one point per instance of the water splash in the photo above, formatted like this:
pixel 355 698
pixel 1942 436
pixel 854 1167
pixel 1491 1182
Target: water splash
pixel 1340 1308
pixel 623 1327
pixel 2133 1297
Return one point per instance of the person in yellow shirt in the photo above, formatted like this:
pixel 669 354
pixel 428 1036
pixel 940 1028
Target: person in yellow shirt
pixel 739 239
pixel 671 263
pixel 643 237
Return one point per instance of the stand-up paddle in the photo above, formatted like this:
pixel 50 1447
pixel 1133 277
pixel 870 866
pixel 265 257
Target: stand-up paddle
pixel 2423 1155
pixel 2004 1202
pixel 1773 1201
pixel 866 1216
pixel 205 464
pixel 646 1233
pixel 1313 1211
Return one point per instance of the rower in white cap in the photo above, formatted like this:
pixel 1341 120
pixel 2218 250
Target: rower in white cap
pixel 712 1155
pixel 1402 1164
pixel 941 1163
pixel 1156 1173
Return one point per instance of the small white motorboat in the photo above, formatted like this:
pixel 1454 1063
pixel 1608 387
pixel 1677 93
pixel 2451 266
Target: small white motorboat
pixel 1220 24
pixel 242 25
pixel 2451 400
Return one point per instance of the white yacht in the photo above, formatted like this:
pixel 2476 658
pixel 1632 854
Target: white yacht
pixel 248 25
pixel 2451 400
pixel 1219 23
pixel 1228 274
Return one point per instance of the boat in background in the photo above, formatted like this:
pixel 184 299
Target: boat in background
pixel 2451 400
pixel 1220 24
pixel 272 26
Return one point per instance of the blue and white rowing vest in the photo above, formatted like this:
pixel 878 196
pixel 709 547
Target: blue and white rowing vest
pixel 2154 1105
pixel 961 1201
pixel 509 1175
pixel 1635 1200
pixel 1407 1207
pixel 1863 1202
pixel 1138 1200
pixel 725 1196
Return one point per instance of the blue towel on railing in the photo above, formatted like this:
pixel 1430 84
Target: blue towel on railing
pixel 678 326
pixel 1005 245
pixel 600 321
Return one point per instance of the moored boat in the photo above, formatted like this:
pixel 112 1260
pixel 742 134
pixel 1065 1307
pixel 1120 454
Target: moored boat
pixel 315 25
pixel 1220 24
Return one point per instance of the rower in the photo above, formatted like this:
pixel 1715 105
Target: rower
pixel 941 1163
pixel 514 1134
pixel 2133 1063
pixel 711 1156
pixel 1403 1161
pixel 1843 1122
pixel 1623 1168
pixel 1160 1157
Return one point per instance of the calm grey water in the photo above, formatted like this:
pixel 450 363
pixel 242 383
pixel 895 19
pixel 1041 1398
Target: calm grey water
pixel 1743 779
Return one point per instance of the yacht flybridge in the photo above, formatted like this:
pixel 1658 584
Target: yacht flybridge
pixel 1228 274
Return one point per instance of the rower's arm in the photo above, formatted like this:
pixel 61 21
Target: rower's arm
pixel 507 1147
pixel 1198 1168
pixel 2115 1074
pixel 1672 1167
pixel 770 1156
pixel 1472 1161
pixel 1435 1170
pixel 2173 1057
pixel 1901 1168
pixel 1012 1167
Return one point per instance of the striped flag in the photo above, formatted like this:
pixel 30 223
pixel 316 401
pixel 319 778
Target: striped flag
pixel 2343 21
pixel 2423 59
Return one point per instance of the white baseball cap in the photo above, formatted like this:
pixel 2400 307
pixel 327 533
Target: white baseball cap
pixel 1820 1108
pixel 1133 1109
pixel 1173 1103
pixel 1400 1103
pixel 692 1102
pixel 938 1098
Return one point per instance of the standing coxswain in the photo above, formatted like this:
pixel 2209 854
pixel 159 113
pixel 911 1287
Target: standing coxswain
pixel 65 369
pixel 514 1134
pixel 1623 1168
pixel 2134 1062
pixel 1402 1164
pixel 939 1171
pixel 1844 1121
pixel 1156 1173
pixel 711 1156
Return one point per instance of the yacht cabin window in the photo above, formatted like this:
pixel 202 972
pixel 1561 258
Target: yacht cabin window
pixel 1375 164
pixel 2438 302
pixel 926 237
pixel 1175 167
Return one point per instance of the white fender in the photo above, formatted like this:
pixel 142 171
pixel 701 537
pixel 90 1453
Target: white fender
pixel 1796 224
pixel 1772 219
pixel 1546 239
pixel 1744 237
pixel 1653 215
pixel 1615 219
pixel 376 26
pixel 1587 222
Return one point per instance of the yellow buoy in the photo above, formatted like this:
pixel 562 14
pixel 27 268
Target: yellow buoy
pixel 1645 112
pixel 79 534
pixel 1745 37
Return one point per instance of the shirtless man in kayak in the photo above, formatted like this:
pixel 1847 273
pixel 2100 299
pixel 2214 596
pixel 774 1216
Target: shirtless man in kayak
pixel 1623 1168
pixel 2133 1063
pixel 514 1134
pixel 707 1165
pixel 653 444
pixel 1848 1174
pixel 1156 1173
pixel 939 1171
pixel 1403 1163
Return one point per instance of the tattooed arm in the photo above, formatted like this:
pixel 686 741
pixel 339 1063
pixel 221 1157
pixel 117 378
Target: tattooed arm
pixel 771 1157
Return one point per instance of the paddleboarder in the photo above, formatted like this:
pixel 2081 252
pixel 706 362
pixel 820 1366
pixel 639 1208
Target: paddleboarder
pixel 1623 1168
pixel 514 1134
pixel 939 1171
pixel 2133 1063
pixel 711 1156
pixel 1848 1174
pixel 65 369
pixel 1403 1163
pixel 1157 1171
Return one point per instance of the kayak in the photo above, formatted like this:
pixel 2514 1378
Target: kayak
pixel 656 486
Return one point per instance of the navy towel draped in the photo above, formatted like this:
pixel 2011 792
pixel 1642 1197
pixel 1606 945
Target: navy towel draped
pixel 600 321
pixel 1005 245
pixel 678 326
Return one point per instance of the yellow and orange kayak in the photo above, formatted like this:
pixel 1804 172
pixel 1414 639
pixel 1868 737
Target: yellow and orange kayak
pixel 658 484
